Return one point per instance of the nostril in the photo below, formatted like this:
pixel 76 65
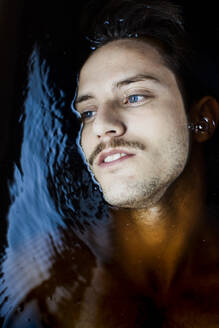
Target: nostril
pixel 111 131
pixel 108 126
pixel 107 133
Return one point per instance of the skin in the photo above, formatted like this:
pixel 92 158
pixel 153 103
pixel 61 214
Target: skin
pixel 159 266
pixel 160 126
pixel 160 219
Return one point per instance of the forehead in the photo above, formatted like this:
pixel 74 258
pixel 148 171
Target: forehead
pixel 120 59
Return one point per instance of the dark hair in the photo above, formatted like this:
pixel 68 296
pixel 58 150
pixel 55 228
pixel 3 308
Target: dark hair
pixel 160 22
pixel 155 21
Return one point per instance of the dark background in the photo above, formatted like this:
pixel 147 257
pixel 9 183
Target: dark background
pixel 55 27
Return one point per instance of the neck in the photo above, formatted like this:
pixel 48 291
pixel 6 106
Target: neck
pixel 152 242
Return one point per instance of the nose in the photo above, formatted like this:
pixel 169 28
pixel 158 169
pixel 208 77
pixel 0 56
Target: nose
pixel 108 123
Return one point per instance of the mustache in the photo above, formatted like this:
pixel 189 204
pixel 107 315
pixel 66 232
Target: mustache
pixel 113 144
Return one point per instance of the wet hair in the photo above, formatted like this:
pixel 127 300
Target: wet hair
pixel 158 22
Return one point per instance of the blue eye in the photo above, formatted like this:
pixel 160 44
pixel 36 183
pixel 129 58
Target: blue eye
pixel 134 99
pixel 87 115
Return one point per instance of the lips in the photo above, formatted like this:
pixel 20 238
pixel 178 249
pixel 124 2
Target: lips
pixel 108 158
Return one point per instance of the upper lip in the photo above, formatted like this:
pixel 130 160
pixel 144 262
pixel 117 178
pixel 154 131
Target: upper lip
pixel 106 153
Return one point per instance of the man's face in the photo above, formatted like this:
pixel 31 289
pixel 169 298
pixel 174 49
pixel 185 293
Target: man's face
pixel 134 134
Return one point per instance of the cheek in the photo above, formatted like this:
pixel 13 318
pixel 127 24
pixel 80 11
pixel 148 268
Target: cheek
pixel 159 128
pixel 88 142
pixel 84 141
pixel 150 126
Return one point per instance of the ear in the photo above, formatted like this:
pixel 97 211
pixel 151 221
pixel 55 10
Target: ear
pixel 204 116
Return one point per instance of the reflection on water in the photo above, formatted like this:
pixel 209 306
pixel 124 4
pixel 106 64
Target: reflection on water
pixel 53 202
pixel 59 234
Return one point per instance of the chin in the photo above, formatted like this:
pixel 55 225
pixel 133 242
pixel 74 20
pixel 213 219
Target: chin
pixel 134 196
pixel 127 203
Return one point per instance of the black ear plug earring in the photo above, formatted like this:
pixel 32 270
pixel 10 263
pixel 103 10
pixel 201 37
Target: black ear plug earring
pixel 201 127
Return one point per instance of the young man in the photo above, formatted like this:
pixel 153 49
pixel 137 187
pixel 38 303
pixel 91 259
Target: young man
pixel 145 120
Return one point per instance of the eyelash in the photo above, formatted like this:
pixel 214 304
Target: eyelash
pixel 134 95
pixel 125 102
pixel 83 118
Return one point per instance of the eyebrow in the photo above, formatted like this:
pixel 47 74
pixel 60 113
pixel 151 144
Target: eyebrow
pixel 127 81
pixel 137 78
pixel 82 98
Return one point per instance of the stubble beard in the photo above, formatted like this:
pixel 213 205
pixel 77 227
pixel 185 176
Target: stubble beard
pixel 148 191
pixel 135 195
pixel 142 194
